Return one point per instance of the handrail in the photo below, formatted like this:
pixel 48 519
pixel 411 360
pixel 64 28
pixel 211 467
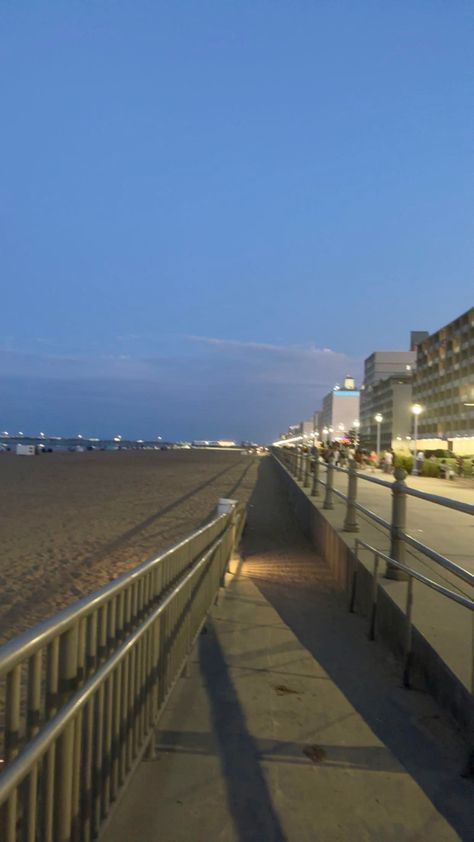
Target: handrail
pixel 16 771
pixel 297 467
pixel 25 644
pixel 374 480
pixel 84 688
pixel 411 575
pixel 372 515
pixel 397 530
pixel 447 502
pixel 459 598
pixel 444 562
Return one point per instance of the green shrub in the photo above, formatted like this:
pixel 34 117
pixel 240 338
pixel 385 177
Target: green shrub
pixel 430 469
pixel 405 462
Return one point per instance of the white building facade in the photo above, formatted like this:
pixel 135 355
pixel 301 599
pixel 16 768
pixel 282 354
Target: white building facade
pixel 340 411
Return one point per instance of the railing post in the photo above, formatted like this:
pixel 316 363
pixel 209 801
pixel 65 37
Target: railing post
pixel 328 504
pixel 307 463
pixel 375 584
pixel 225 506
pixel 66 744
pixel 353 583
pixel 350 522
pixel 299 470
pixel 315 488
pixel 399 510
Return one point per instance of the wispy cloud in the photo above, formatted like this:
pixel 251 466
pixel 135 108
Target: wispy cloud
pixel 238 344
pixel 233 387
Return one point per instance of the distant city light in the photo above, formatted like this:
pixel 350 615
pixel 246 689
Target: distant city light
pixel 287 441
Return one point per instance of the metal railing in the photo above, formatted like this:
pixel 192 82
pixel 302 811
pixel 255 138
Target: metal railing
pixel 302 466
pixel 306 470
pixel 411 575
pixel 83 689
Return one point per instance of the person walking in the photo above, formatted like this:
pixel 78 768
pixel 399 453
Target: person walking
pixel 373 461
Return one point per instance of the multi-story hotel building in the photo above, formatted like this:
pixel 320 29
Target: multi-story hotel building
pixel 392 398
pixel 340 410
pixel 444 384
pixel 386 390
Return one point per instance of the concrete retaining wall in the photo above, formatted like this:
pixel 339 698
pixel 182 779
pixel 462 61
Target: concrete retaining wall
pixel 428 669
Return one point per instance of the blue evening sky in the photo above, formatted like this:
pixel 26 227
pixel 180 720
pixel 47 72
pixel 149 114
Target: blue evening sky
pixel 211 211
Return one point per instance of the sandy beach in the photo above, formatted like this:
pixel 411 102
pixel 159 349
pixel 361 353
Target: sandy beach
pixel 70 522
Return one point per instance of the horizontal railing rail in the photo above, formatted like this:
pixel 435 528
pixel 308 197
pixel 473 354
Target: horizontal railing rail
pixel 440 559
pixel 301 465
pixel 411 575
pixel 83 689
pixel 447 502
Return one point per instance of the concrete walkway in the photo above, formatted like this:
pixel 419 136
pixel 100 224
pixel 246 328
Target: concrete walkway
pixel 291 725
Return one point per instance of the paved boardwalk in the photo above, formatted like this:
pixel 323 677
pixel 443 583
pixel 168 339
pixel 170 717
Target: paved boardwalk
pixel 291 725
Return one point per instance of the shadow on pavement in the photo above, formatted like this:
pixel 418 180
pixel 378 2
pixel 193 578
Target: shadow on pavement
pixel 278 751
pixel 248 797
pixel 408 722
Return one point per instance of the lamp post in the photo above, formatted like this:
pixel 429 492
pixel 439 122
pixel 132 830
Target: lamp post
pixel 326 434
pixel 378 418
pixel 356 425
pixel 331 430
pixel 416 409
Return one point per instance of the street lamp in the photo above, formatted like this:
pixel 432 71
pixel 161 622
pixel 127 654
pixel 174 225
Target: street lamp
pixel 378 418
pixel 356 425
pixel 326 434
pixel 331 430
pixel 416 409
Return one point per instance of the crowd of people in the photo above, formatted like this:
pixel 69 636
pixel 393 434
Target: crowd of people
pixel 341 452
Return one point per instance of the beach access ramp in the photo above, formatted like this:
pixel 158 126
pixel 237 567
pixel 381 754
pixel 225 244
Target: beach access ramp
pixel 264 714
